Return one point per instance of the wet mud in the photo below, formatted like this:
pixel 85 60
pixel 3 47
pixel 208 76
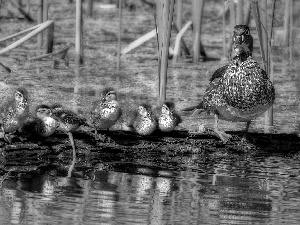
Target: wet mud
pixel 155 151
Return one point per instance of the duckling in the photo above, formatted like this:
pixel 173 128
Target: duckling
pixel 168 119
pixel 241 91
pixel 143 120
pixel 68 121
pixel 106 111
pixel 42 111
pixel 42 124
pixel 13 113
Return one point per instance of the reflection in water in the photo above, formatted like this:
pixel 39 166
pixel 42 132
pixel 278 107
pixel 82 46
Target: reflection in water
pixel 228 194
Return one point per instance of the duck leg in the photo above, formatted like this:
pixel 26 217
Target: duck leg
pixel 73 144
pixel 244 138
pixel 71 168
pixel 247 127
pixel 222 135
pixel 6 137
pixel 99 137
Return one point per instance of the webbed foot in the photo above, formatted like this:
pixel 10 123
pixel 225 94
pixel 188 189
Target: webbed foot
pixel 223 136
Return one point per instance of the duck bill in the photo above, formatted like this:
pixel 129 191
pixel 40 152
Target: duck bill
pixel 241 50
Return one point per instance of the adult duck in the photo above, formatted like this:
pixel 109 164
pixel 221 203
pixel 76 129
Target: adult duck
pixel 240 91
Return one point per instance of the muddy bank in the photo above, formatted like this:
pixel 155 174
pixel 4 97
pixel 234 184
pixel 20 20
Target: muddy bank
pixel 158 150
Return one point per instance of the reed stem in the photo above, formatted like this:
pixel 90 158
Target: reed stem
pixel 287 22
pixel 39 21
pixel 224 31
pixel 291 32
pixel 164 21
pixel 119 36
pixel 90 8
pixel 240 13
pixel 79 34
pixel 179 20
pixel 198 6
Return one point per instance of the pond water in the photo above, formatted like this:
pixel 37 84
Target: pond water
pixel 223 188
pixel 259 190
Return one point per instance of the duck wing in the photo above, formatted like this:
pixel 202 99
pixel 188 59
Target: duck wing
pixel 219 73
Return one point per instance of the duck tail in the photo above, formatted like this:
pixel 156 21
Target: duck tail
pixel 195 110
pixel 192 108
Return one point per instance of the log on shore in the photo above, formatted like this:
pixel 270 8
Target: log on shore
pixel 157 150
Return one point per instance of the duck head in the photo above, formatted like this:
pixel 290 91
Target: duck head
pixel 242 42
pixel 21 95
pixel 43 111
pixel 109 94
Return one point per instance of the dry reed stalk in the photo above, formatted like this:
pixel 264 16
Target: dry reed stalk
pixel 21 10
pixel 38 30
pixel 139 41
pixel 270 33
pixel 179 40
pixel 248 13
pixel 239 12
pixel 119 36
pixel 49 37
pixel 287 22
pixel 178 22
pixel 39 21
pixel 79 34
pixel 63 53
pixel 45 10
pixel 255 10
pixel 164 21
pixel 19 33
pixel 90 8
pixel 264 24
pixel 182 43
pixel 232 15
pixel 224 31
pixel 291 32
pixel 232 24
pixel 49 40
pixel 198 6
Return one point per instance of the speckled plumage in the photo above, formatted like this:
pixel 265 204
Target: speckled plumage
pixel 42 124
pixel 168 119
pixel 43 127
pixel 144 122
pixel 106 111
pixel 68 120
pixel 240 91
pixel 244 92
pixel 15 111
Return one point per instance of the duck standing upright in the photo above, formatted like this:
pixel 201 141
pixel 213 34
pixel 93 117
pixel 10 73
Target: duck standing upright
pixel 14 113
pixel 240 91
